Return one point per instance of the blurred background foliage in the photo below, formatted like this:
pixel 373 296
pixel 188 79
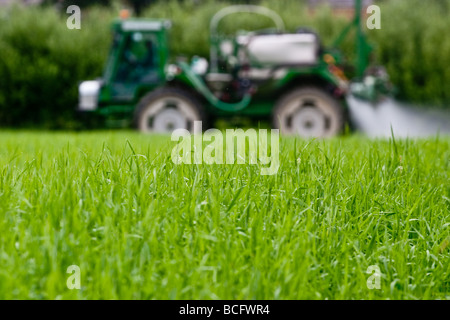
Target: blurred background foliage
pixel 42 62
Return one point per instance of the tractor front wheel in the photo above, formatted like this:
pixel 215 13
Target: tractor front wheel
pixel 309 113
pixel 167 109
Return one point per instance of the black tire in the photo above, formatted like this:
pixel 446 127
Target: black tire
pixel 167 109
pixel 308 112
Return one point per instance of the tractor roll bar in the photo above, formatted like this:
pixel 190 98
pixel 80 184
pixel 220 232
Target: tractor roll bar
pixel 237 9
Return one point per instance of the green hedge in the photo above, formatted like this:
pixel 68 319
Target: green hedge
pixel 414 45
pixel 42 62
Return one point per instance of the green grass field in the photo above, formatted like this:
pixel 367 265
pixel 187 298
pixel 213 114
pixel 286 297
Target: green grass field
pixel 140 227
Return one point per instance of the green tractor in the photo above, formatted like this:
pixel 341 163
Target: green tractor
pixel 287 77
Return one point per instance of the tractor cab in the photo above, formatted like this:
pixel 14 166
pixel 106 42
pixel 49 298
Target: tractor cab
pixel 136 64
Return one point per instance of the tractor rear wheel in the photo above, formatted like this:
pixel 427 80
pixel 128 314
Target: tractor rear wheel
pixel 167 109
pixel 308 112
